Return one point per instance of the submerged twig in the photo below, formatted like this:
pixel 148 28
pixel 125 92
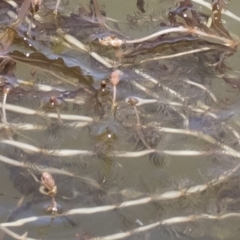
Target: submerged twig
pixel 195 31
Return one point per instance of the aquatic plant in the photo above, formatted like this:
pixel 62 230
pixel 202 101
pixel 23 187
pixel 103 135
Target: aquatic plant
pixel 119 128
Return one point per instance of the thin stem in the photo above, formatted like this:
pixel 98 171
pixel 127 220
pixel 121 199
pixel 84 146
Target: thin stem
pixel 6 91
pixel 39 168
pixel 29 126
pixel 42 168
pixel 98 12
pixel 122 235
pixel 141 101
pixel 228 42
pixel 23 12
pixel 226 150
pixel 165 88
pixel 57 6
pixel 75 42
pixel 4 118
pixel 114 97
pixel 203 49
pixel 200 135
pixel 158 34
pixel 29 111
pixel 166 196
pixel 167 222
pixel 202 87
pixel 114 79
pixel 52 152
pixel 224 11
pixel 13 15
pixel 14 235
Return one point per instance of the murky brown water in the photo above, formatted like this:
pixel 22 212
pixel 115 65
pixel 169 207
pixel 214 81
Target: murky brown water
pixel 153 156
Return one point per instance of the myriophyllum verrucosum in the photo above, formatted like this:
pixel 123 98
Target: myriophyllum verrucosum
pixel 114 79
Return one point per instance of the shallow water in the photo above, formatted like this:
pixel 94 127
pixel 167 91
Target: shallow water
pixel 161 161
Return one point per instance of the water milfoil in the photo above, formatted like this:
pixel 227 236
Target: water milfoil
pixel 128 121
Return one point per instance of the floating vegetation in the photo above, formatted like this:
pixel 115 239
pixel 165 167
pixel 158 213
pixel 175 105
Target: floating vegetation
pixel 121 127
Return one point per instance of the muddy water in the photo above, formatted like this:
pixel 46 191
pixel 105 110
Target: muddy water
pixel 111 173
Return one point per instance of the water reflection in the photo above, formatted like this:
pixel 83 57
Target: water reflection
pixel 119 126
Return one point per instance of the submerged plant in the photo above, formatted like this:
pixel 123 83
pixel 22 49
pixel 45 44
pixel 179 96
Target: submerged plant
pixel 90 103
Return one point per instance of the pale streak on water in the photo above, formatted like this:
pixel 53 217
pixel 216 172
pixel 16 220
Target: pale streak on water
pixel 138 177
